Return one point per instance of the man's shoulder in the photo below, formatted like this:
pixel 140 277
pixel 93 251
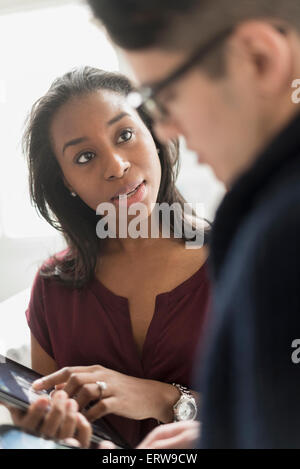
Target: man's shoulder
pixel 275 213
pixel 267 241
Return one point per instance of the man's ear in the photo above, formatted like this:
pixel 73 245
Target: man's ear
pixel 270 55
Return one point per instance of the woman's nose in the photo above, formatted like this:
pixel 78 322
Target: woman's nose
pixel 116 167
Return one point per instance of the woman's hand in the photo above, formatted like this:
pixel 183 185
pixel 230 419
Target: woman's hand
pixel 179 435
pixel 56 418
pixel 124 395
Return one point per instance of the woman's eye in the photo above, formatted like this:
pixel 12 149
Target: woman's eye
pixel 85 157
pixel 125 136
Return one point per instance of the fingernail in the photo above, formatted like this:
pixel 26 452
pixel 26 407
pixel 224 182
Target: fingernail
pixel 60 395
pixel 42 405
pixel 38 383
pixel 72 406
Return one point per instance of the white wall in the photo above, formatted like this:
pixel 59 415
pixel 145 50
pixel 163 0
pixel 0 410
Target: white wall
pixel 12 6
pixel 20 259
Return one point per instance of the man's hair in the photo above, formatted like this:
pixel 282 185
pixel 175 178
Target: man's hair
pixel 184 24
pixel 138 24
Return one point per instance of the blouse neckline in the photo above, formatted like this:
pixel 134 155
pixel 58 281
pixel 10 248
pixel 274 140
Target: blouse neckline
pixel 186 286
pixel 120 304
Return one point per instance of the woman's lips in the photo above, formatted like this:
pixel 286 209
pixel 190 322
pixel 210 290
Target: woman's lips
pixel 127 188
pixel 135 196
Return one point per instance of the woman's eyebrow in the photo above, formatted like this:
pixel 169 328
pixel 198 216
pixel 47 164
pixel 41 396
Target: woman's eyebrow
pixel 117 118
pixel 75 141
pixel 112 121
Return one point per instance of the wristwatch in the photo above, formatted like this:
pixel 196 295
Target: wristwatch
pixel 186 407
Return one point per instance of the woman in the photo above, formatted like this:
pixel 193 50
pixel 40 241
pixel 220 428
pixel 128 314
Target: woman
pixel 124 312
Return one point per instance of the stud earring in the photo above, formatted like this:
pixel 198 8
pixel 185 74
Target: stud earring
pixel 73 194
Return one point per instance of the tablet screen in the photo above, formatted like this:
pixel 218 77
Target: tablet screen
pixel 16 381
pixel 14 438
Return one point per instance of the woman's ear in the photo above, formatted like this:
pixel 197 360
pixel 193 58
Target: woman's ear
pixel 69 187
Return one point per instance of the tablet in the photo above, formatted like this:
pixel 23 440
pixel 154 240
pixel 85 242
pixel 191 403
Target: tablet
pixel 12 437
pixel 16 390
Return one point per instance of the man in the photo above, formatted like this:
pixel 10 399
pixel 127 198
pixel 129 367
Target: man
pixel 220 73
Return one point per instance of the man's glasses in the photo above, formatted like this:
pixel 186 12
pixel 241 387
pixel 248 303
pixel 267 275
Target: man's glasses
pixel 146 97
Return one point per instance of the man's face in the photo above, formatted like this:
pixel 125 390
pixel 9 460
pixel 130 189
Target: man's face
pixel 226 120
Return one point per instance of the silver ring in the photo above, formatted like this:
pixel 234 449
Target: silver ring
pixel 101 385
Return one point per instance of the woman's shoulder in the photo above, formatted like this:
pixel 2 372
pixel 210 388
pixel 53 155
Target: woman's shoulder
pixel 52 261
pixel 49 271
pixel 51 293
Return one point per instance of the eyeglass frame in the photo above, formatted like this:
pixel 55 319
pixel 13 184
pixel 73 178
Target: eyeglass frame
pixel 147 94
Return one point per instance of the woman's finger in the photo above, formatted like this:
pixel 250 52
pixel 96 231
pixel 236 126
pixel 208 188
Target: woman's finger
pixel 17 415
pixel 78 380
pixel 88 393
pixel 55 416
pixel 105 444
pixel 58 387
pixel 100 409
pixel 68 426
pixel 71 442
pixel 60 376
pixel 35 414
pixel 84 431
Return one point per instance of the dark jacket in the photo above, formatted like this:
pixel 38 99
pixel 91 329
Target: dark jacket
pixel 251 387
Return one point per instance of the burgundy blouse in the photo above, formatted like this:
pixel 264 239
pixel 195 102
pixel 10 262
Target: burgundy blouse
pixel 93 326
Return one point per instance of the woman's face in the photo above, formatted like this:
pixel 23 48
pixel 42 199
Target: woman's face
pixel 105 150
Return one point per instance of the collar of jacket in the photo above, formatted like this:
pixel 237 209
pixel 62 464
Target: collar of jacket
pixel 243 196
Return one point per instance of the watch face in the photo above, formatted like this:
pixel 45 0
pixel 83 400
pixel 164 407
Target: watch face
pixel 186 410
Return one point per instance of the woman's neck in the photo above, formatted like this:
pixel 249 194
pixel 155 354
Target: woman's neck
pixel 134 247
